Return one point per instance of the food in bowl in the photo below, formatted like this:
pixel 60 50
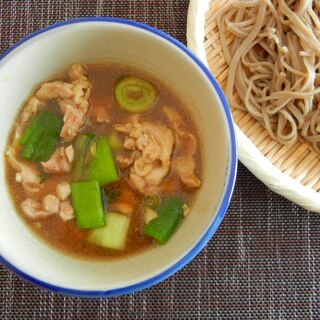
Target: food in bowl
pixel 272 49
pixel 104 40
pixel 103 161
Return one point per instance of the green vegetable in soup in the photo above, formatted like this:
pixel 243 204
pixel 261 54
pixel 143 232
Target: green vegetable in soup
pixel 33 126
pixel 83 144
pixel 87 203
pixel 170 214
pixel 152 201
pixel 114 141
pixel 94 160
pixel 134 94
pixel 40 139
pixel 114 234
pixel 103 168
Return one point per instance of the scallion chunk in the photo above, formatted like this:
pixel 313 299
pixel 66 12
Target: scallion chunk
pixel 40 139
pixel 87 203
pixel 134 94
pixel 170 214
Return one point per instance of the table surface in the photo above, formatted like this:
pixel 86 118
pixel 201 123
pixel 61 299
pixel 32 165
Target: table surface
pixel 262 262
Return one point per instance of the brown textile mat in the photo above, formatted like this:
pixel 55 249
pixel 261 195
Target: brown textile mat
pixel 263 262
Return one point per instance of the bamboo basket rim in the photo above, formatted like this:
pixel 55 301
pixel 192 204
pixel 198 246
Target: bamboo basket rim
pixel 283 169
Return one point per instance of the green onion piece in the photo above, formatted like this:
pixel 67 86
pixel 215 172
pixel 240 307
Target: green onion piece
pixel 87 203
pixel 114 234
pixel 31 128
pixel 135 95
pixel 114 141
pixel 152 202
pixel 94 160
pixel 41 136
pixel 103 168
pixel 170 214
pixel 82 144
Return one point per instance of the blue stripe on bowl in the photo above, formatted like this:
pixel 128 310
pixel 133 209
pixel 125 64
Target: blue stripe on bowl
pixel 229 186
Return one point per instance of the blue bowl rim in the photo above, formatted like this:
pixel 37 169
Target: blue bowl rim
pixel 229 186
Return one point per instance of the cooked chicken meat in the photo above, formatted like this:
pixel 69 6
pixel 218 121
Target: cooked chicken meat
pixel 184 164
pixel 77 71
pixel 185 167
pixel 33 209
pixel 27 174
pixel 31 108
pixel 66 211
pixel 51 203
pixel 63 190
pixel 72 98
pixel 48 205
pixel 75 111
pixel 60 162
pixel 155 143
pixel 74 118
pixel 54 89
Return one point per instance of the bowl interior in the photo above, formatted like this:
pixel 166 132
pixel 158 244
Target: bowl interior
pixel 53 51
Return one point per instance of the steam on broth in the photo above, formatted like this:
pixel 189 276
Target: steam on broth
pixel 103 161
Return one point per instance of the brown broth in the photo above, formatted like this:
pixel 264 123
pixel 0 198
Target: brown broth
pixel 66 236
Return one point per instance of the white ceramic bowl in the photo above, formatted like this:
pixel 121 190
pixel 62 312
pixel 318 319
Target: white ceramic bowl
pixel 52 50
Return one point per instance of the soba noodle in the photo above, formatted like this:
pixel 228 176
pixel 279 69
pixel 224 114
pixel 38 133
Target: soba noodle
pixel 273 52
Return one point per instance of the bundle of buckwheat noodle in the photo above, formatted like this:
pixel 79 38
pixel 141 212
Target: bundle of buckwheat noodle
pixel 273 52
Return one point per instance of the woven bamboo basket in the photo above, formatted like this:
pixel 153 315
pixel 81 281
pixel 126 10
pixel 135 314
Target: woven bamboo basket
pixel 290 170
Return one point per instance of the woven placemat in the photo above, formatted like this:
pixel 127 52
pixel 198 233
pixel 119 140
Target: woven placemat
pixel 263 261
